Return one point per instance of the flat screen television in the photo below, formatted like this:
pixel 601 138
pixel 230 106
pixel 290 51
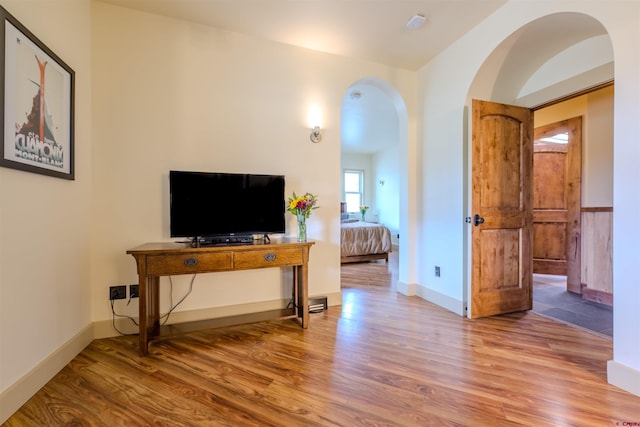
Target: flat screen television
pixel 213 207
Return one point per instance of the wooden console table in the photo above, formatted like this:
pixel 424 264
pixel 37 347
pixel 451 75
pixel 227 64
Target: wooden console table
pixel 166 259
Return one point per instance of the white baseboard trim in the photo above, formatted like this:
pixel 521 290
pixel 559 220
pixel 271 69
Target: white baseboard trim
pixel 22 390
pixel 624 377
pixel 408 289
pixel 334 298
pixel 430 295
pixel 104 328
pixel 442 300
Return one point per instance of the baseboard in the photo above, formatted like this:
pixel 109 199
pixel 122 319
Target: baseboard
pixel 442 300
pixel 334 298
pixel 22 390
pixel 105 329
pixel 430 295
pixel 623 377
pixel 596 295
pixel 408 289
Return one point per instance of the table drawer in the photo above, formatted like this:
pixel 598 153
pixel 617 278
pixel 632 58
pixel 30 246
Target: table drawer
pixel 188 263
pixel 267 258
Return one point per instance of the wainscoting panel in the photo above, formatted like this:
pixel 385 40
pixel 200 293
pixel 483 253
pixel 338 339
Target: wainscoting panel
pixel 597 261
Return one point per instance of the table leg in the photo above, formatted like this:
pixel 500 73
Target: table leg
pixel 303 294
pixel 142 315
pixel 294 292
pixel 154 306
pixel 148 311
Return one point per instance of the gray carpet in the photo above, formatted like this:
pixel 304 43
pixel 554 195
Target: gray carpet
pixel 551 299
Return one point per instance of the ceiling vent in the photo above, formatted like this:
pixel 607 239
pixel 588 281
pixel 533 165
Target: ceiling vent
pixel 416 22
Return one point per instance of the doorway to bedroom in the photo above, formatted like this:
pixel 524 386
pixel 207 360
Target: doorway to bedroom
pixel 372 140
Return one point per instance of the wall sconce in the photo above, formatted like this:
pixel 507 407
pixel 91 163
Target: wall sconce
pixel 315 134
pixel 314 118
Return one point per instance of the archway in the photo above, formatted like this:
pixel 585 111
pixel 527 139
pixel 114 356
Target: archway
pixel 374 122
pixel 548 59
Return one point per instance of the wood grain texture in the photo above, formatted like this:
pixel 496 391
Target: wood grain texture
pixel 557 200
pixel 171 258
pixel 363 258
pixel 381 359
pixel 597 250
pixel 502 194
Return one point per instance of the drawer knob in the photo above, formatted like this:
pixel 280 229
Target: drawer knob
pixel 190 262
pixel 269 257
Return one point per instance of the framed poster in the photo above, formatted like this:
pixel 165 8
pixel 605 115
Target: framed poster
pixel 38 94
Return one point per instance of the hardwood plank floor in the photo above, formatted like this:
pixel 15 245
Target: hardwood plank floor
pixel 381 359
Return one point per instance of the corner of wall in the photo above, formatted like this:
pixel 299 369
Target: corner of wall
pixel 20 392
pixel 624 377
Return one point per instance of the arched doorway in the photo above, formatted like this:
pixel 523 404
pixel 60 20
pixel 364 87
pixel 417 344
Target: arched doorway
pixel 374 133
pixel 539 64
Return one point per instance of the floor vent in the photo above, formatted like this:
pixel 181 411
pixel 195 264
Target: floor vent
pixel 317 304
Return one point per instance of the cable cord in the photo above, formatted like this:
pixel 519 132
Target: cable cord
pixel 113 320
pixel 173 307
pixel 164 316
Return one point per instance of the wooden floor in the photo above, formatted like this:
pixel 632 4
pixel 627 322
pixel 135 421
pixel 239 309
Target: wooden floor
pixel 382 359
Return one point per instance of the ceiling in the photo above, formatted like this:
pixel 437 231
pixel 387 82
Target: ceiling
pixel 373 30
pixel 369 120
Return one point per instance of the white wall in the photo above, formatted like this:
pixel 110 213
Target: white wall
pixel 444 84
pixel 386 166
pixel 45 222
pixel 174 95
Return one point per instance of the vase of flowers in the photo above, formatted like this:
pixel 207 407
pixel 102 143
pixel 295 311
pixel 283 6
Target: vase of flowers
pixel 301 207
pixel 302 228
pixel 363 211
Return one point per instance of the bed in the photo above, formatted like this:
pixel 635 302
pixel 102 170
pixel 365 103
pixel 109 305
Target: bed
pixel 363 241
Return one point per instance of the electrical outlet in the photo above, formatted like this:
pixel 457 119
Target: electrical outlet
pixel 117 292
pixel 133 291
pixel 437 271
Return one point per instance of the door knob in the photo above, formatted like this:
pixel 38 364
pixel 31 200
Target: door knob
pixel 477 220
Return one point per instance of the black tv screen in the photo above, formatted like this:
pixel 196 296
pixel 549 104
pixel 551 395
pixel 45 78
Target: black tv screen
pixel 206 204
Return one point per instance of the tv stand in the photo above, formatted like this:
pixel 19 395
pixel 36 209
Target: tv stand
pixel 154 260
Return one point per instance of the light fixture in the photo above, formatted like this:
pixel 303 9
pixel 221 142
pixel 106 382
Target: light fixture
pixel 416 22
pixel 314 118
pixel 315 134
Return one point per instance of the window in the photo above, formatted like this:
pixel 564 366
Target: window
pixel 353 189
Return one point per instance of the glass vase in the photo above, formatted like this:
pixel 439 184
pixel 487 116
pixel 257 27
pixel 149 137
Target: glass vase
pixel 302 228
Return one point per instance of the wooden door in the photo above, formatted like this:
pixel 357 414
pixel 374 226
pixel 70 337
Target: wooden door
pixel 557 200
pixel 502 163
